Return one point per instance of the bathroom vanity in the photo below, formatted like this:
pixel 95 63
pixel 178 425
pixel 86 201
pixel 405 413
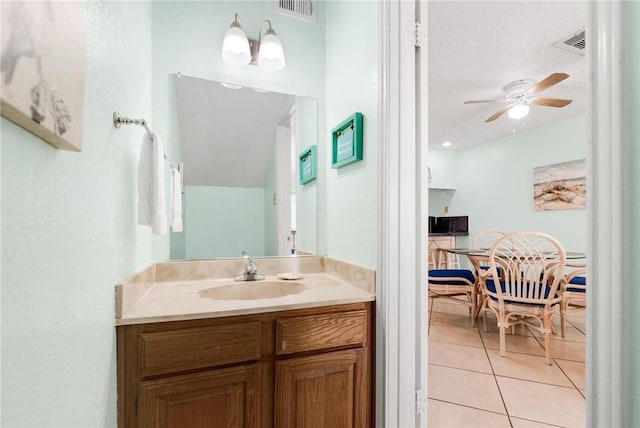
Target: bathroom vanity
pixel 273 361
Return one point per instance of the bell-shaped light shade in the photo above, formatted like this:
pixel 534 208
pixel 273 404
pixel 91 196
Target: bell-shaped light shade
pixel 271 55
pixel 519 111
pixel 235 48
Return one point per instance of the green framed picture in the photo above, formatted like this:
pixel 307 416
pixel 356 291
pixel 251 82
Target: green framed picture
pixel 347 141
pixel 308 165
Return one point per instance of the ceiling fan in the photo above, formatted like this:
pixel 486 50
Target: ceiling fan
pixel 522 93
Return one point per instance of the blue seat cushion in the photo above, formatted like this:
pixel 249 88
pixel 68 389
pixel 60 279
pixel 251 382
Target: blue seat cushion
pixel 491 286
pixel 451 273
pixel 578 280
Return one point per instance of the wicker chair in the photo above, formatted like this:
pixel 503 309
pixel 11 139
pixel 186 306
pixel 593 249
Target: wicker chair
pixel 483 240
pixel 523 283
pixel 486 238
pixel 574 291
pixel 458 285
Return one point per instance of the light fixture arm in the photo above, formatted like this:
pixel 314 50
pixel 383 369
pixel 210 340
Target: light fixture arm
pixel 269 30
pixel 236 21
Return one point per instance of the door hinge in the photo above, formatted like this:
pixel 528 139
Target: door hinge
pixel 421 401
pixel 421 37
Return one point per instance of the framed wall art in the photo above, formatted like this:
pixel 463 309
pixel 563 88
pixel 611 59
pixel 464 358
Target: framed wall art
pixel 308 165
pixel 560 186
pixel 347 141
pixel 43 67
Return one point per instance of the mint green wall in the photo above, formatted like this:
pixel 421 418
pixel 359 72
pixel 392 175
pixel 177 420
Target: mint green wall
pixel 187 38
pixel 239 209
pixel 352 86
pixel 438 200
pixel 633 56
pixel 69 234
pixel 495 182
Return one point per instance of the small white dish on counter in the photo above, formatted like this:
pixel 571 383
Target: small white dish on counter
pixel 289 275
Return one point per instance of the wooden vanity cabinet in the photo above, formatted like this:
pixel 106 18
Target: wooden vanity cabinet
pixel 299 368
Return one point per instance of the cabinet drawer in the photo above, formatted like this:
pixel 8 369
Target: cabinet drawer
pixel 193 348
pixel 313 332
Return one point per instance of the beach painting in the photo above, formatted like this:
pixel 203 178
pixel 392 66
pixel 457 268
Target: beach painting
pixel 42 68
pixel 560 186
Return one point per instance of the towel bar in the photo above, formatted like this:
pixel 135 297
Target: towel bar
pixel 118 121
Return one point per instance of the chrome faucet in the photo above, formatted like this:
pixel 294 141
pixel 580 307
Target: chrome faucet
pixel 250 272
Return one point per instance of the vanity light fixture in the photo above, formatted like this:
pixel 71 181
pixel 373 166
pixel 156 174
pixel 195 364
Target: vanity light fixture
pixel 266 52
pixel 235 47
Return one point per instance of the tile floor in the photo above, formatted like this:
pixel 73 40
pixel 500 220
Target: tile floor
pixel 470 385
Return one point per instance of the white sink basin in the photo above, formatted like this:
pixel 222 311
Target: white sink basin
pixel 253 290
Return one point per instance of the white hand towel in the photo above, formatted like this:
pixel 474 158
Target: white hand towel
pixel 151 205
pixel 176 200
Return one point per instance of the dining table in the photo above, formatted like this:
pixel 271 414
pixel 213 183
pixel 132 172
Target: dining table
pixel 484 252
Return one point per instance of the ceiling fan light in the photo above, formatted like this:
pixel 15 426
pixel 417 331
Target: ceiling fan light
pixel 518 111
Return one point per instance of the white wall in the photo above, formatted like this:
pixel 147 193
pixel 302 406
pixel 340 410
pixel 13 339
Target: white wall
pixel 69 234
pixel 307 195
pixel 352 86
pixel 495 183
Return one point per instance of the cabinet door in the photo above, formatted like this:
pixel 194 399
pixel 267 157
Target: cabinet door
pixel 328 390
pixel 217 398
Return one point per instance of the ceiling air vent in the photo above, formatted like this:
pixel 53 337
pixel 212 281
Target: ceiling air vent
pixel 576 43
pixel 304 9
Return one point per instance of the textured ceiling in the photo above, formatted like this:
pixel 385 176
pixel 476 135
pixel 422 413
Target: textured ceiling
pixel 477 47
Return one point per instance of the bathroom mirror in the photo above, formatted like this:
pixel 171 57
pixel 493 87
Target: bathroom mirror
pixel 239 148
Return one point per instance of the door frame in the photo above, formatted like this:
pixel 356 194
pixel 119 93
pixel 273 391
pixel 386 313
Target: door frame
pixel 610 348
pixel 401 303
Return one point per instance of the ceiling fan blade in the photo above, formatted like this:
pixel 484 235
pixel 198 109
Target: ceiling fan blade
pixel 496 100
pixel 547 83
pixel 498 114
pixel 551 102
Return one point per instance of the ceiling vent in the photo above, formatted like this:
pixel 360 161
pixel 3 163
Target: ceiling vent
pixel 576 43
pixel 303 9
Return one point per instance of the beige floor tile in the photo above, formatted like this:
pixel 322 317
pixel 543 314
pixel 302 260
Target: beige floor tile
pixel 523 423
pixel 543 403
pixel 528 367
pixel 576 372
pixel 447 415
pixel 492 327
pixel 468 336
pixel 579 323
pixel 581 313
pixel 514 343
pixel 454 320
pixel 572 351
pixel 463 387
pixel 448 307
pixel 572 334
pixel 460 357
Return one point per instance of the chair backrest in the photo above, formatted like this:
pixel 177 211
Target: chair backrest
pixel 528 266
pixel 486 238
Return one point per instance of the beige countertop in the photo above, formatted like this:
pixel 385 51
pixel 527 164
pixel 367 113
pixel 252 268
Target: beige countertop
pixel 181 299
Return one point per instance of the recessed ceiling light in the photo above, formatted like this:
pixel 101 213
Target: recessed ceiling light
pixel 446 144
